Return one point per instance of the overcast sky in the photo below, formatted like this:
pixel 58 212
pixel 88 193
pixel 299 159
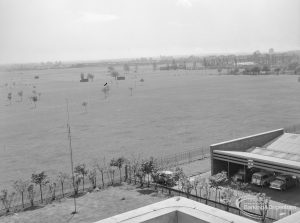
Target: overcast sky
pixel 50 30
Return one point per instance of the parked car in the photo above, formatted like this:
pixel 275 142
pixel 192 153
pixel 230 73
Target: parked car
pixel 283 182
pixel 165 178
pixel 262 178
pixel 244 175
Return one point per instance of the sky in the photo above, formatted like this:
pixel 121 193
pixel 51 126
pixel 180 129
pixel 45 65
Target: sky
pixel 66 30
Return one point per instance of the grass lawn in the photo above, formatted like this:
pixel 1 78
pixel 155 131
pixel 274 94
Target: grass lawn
pixel 92 206
pixel 170 112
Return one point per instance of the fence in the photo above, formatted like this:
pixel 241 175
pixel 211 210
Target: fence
pixel 184 157
pixel 168 161
pixel 272 214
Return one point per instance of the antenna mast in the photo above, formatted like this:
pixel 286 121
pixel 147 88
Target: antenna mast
pixel 71 154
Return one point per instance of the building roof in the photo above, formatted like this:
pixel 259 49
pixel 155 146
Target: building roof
pixel 286 146
pixel 263 158
pixel 177 210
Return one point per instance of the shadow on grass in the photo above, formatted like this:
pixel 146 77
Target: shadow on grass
pixel 146 191
pixel 32 208
pixel 78 195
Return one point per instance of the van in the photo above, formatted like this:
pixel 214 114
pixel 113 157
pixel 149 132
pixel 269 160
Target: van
pixel 262 178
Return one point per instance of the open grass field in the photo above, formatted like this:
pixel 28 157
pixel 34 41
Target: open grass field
pixel 91 207
pixel 170 112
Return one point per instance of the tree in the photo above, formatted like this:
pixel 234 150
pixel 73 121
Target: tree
pixel 195 184
pixel 92 176
pixel 9 97
pixel 82 76
pixel 126 68
pixel 21 186
pixel 84 104
pixel 34 100
pixel 194 65
pixel 147 168
pixel 81 170
pixel 6 199
pixel 102 168
pixel 106 90
pixel 120 162
pixel 41 180
pixel 218 180
pixel 263 203
pixel 62 178
pixel 266 68
pixel 90 76
pixel 255 70
pixel 227 197
pixel 77 181
pixel 110 69
pixel 140 175
pixel 186 185
pixel 20 94
pixel 52 190
pixel 135 168
pixel 220 70
pixel 115 74
pixel 277 70
pixel 30 194
pixel 154 66
pixel 131 90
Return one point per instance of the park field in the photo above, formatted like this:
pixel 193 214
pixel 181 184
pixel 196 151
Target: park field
pixel 170 112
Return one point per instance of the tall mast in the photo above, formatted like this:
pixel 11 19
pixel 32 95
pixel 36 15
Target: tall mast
pixel 71 154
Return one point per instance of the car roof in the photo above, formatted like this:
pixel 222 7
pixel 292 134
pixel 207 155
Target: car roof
pixel 262 173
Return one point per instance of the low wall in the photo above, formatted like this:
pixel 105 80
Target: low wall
pixel 242 144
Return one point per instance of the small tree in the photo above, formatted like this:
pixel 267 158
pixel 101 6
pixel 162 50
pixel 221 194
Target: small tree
pixel 126 68
pixel 195 184
pixel 92 178
pixel 131 90
pixel 90 77
pixel 102 168
pixel 52 190
pixel 140 175
pixel 34 99
pixel 154 66
pixel 6 199
pixel 21 186
pixel 77 181
pixel 186 185
pixel 115 163
pixel 81 170
pixel 41 180
pixel 115 74
pixel 216 181
pixel 111 174
pixel 84 104
pixel 120 162
pixel 9 97
pixel 62 178
pixel 20 94
pixel 106 90
pixel 263 203
pixel 135 168
pixel 147 168
pixel 110 69
pixel 31 194
pixel 227 197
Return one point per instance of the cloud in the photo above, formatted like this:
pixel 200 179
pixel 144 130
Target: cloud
pixel 90 17
pixel 184 3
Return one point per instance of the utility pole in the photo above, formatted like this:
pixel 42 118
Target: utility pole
pixel 71 155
